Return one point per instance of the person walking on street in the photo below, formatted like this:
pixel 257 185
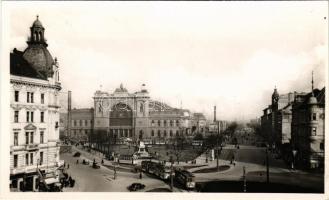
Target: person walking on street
pixel 140 174
pixel 68 166
pixel 115 173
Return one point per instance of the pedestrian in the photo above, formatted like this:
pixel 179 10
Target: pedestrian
pixel 68 166
pixel 140 174
pixel 77 161
pixel 115 173
pixel 64 164
pixel 102 162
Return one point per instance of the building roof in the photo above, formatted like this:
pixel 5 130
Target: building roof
pixel 21 67
pixel 37 22
pixel 120 89
pixel 199 115
pixel 303 100
pixel 38 57
pixel 158 106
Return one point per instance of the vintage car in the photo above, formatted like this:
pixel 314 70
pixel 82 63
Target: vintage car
pixel 136 186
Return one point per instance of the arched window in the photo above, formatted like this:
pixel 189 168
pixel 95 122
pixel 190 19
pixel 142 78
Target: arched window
pixel 37 36
pixel 141 134
pixel 141 108
pixel 159 122
pixel 40 35
pixel 152 133
pixel 171 123
pixel 152 123
pixel 164 133
pixel 177 123
pixel 177 133
pixel 170 133
pixel 34 37
pixel 165 123
pixel 159 133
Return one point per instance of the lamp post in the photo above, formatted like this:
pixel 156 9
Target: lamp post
pixel 267 166
pixel 244 180
pixel 171 174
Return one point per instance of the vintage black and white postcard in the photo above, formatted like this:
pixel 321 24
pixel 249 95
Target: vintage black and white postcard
pixel 152 99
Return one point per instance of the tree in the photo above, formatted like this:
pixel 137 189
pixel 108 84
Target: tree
pixel 213 140
pixel 178 146
pixel 198 136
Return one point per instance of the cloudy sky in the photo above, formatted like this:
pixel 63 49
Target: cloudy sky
pixel 231 54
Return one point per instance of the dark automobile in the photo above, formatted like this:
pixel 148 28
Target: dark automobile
pixel 77 154
pixel 85 162
pixel 136 186
pixel 96 166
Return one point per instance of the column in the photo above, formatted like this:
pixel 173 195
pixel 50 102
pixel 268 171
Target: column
pixel 35 185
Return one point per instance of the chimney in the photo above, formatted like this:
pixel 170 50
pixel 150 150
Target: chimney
pixel 214 113
pixel 69 104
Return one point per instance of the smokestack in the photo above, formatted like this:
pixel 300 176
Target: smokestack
pixel 69 107
pixel 214 113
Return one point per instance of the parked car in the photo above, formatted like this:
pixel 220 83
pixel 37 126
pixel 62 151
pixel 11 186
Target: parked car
pixel 136 186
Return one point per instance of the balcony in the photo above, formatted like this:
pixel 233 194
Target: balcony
pixel 30 147
pixel 53 106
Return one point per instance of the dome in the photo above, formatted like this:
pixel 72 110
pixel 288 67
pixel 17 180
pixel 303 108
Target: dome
pixel 39 58
pixel 37 23
pixel 121 89
pixel 275 94
pixel 312 100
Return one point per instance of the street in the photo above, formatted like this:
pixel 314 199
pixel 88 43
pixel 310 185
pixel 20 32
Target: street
pixel 89 179
pixel 250 157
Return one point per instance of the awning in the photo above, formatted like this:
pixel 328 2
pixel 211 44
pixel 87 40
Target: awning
pixel 51 181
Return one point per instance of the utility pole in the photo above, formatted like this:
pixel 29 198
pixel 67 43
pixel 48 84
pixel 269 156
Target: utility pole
pixel 217 145
pixel 267 167
pixel 244 180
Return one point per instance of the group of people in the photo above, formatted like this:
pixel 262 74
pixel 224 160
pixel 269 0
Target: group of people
pixel 67 180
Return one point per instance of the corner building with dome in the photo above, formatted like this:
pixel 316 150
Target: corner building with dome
pixel 34 115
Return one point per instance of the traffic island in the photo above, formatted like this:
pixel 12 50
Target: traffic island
pixel 213 169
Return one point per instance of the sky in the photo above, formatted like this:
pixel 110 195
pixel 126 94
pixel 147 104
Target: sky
pixel 194 54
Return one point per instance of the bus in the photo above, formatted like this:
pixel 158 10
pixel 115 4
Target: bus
pixel 185 178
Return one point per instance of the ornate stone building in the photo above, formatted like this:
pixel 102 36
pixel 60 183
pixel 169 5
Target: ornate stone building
pixel 135 115
pixel 308 128
pixel 34 137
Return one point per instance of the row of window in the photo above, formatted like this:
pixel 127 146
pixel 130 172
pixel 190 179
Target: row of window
pixel 30 97
pixel 80 122
pixel 80 131
pixel 29 116
pixel 171 134
pixel 165 123
pixel 29 137
pixel 28 159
